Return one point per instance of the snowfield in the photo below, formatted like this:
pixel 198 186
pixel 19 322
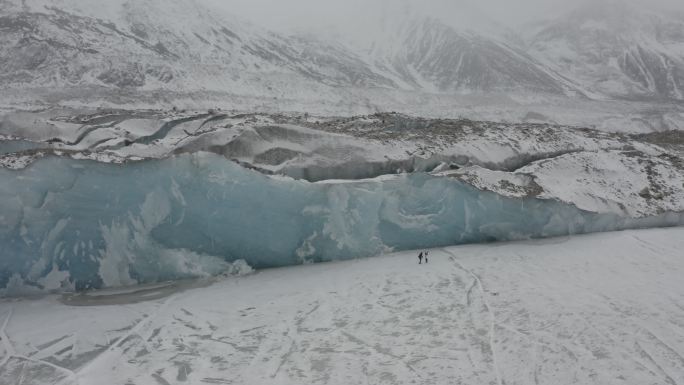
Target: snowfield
pixel 627 182
pixel 597 309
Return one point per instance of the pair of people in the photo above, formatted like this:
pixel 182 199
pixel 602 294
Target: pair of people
pixel 423 254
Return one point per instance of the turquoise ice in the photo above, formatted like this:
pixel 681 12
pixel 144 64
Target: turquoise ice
pixel 100 225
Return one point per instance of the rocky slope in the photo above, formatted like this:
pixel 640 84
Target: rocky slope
pixel 427 54
pixel 176 51
pixel 148 45
pixel 616 50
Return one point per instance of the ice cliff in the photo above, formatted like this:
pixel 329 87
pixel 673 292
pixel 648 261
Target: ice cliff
pixel 67 223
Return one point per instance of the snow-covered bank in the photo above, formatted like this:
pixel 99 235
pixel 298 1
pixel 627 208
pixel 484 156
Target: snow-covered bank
pixel 628 182
pixel 69 224
pixel 597 309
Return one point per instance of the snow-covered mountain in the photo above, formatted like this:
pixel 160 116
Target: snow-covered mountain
pixel 176 45
pixel 616 49
pixel 156 49
pixel 429 55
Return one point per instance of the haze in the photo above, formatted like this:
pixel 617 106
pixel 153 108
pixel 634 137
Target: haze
pixel 347 16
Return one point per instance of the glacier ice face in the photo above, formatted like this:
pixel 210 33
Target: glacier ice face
pixel 84 224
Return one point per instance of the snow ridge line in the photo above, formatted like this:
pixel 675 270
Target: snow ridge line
pixel 492 318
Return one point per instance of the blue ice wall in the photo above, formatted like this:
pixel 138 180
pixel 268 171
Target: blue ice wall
pixel 93 225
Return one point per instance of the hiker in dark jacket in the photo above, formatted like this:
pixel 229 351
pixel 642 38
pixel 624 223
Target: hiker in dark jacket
pixel 420 258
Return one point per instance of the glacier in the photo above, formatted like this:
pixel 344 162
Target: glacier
pixel 80 224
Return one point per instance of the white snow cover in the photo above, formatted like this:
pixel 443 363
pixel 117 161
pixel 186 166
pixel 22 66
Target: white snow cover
pixel 598 309
pixel 151 54
pixel 611 181
pixel 607 181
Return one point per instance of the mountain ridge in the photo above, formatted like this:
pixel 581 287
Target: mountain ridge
pixel 185 47
pixel 621 52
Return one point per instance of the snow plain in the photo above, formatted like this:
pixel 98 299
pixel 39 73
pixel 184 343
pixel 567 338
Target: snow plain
pixel 596 309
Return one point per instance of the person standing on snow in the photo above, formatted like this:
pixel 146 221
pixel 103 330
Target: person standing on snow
pixel 426 256
pixel 420 258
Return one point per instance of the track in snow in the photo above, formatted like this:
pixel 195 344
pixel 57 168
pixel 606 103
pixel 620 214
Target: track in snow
pixel 597 309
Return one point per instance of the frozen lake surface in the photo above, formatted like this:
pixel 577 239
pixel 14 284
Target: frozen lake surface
pixel 596 309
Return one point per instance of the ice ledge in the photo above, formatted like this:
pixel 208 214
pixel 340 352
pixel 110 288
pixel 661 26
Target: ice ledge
pixel 110 225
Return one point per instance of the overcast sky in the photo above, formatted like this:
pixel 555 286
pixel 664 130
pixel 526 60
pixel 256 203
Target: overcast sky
pixel 344 15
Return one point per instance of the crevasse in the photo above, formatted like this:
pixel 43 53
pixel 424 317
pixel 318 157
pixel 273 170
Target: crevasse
pixel 83 224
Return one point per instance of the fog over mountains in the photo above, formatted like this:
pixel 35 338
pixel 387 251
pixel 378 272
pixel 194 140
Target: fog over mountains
pixel 603 51
pixel 352 16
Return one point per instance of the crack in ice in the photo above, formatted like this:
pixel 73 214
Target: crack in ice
pixel 135 331
pixel 9 349
pixel 10 353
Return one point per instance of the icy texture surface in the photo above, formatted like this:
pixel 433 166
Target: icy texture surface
pixel 600 309
pixel 65 222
